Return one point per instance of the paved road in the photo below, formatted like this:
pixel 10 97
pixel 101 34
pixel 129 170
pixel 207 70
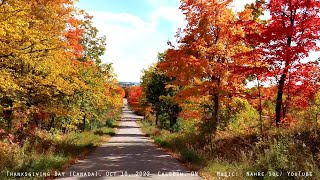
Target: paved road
pixel 129 155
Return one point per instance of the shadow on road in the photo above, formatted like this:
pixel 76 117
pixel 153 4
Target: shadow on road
pixel 138 156
pixel 122 127
pixel 129 152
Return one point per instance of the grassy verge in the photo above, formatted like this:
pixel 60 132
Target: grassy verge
pixel 50 152
pixel 175 144
pixel 285 155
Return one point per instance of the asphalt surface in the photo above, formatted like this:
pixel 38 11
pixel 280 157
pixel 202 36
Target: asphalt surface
pixel 129 155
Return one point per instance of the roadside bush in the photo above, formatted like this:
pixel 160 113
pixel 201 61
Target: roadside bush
pixel 161 142
pixel 11 156
pixel 47 151
pixel 178 126
pixel 275 157
pixel 189 155
pixel 44 162
pixel 240 117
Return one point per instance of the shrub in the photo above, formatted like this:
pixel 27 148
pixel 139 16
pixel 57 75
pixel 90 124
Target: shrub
pixel 161 142
pixel 275 158
pixel 240 117
pixel 11 156
pixel 189 155
pixel 178 126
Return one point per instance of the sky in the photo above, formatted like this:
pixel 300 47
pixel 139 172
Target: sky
pixel 136 31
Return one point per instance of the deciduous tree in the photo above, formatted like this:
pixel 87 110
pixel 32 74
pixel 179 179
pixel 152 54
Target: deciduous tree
pixel 206 56
pixel 288 38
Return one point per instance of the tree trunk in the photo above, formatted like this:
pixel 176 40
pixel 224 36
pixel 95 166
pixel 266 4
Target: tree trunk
pixel 173 121
pixel 8 114
pixel 8 117
pixel 157 118
pixel 284 109
pixel 84 122
pixel 260 107
pixel 279 99
pixel 281 86
pixel 286 104
pixel 36 121
pixel 216 116
pixel 51 123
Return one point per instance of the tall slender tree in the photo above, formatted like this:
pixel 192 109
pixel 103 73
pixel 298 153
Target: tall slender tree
pixel 290 35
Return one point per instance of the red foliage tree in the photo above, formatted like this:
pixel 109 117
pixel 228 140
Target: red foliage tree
pixel 290 35
pixel 134 97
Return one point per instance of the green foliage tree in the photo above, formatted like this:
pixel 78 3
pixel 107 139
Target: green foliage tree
pixel 93 47
pixel 154 84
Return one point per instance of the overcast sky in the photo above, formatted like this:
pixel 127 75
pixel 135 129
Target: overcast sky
pixel 136 31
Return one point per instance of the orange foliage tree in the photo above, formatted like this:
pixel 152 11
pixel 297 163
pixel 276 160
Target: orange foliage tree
pixel 206 58
pixel 134 97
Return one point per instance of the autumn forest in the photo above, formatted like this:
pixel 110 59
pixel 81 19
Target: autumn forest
pixel 235 92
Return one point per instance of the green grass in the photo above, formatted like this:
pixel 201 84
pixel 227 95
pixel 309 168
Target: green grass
pixel 161 142
pixel 43 163
pixel 147 128
pixel 190 156
pixel 239 153
pixel 48 152
pixel 172 141
pixel 105 131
